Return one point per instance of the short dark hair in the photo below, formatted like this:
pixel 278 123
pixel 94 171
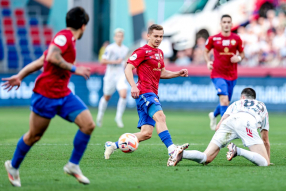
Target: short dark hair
pixel 224 16
pixel 249 93
pixel 76 17
pixel 154 27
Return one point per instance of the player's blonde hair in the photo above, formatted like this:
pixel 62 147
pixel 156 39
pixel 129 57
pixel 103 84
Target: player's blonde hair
pixel 119 30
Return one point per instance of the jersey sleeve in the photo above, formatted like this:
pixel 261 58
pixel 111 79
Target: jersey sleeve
pixel 107 53
pixel 62 41
pixel 240 46
pixel 209 43
pixel 265 123
pixel 137 57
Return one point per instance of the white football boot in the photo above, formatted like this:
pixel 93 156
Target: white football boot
pixel 119 122
pixel 109 149
pixel 99 122
pixel 74 170
pixel 176 156
pixel 232 151
pixel 212 121
pixel 13 174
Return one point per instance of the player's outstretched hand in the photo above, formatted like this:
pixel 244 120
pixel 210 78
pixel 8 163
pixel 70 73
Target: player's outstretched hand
pixel 11 82
pixel 83 71
pixel 135 92
pixel 184 73
pixel 210 65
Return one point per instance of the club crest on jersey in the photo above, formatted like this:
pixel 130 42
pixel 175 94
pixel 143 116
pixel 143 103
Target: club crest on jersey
pixel 225 42
pixel 233 42
pixel 159 65
pixel 161 56
pixel 156 99
pixel 133 57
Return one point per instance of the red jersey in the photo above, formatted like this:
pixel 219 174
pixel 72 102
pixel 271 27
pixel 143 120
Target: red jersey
pixel 149 63
pixel 224 48
pixel 53 82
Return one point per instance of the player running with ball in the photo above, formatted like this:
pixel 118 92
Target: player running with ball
pixel 224 67
pixel 53 97
pixel 240 121
pixel 149 62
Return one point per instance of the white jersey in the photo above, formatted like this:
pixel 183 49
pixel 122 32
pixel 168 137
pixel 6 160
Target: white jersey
pixel 115 52
pixel 253 107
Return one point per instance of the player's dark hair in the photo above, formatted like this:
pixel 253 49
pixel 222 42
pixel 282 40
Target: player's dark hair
pixel 249 93
pixel 76 17
pixel 154 27
pixel 225 16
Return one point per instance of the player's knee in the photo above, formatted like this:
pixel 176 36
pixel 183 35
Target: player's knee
pixel 123 96
pixel 160 118
pixel 107 98
pixel 224 100
pixel 91 126
pixel 147 135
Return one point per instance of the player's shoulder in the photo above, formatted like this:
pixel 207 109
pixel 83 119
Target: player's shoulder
pixel 110 46
pixel 142 50
pixel 63 36
pixel 216 36
pixel 234 35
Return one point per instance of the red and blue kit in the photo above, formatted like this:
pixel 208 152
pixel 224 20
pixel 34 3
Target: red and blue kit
pixel 51 93
pixel 149 63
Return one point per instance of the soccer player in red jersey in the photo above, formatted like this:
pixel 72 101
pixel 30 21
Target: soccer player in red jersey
pixel 225 46
pixel 53 97
pixel 149 62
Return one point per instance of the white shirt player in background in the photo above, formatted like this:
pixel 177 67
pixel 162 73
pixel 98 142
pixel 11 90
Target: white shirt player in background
pixel 240 121
pixel 114 79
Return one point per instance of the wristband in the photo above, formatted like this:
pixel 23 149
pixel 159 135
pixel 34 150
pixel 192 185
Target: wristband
pixel 73 69
pixel 239 57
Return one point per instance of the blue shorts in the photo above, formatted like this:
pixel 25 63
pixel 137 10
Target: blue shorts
pixel 147 105
pixel 224 87
pixel 68 107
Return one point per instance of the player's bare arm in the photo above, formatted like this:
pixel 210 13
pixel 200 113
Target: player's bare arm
pixel 265 138
pixel 54 56
pixel 105 61
pixel 237 58
pixel 207 58
pixel 15 80
pixel 166 74
pixel 129 76
pixel 222 119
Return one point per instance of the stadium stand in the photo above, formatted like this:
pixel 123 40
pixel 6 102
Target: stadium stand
pixel 22 38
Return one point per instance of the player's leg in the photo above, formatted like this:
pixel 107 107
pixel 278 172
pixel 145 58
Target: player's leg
pixel 38 126
pixel 121 87
pixel 74 110
pixel 257 154
pixel 108 90
pixel 246 130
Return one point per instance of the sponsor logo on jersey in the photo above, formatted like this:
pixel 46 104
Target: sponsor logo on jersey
pixel 60 40
pixel 133 57
pixel 147 51
pixel 159 66
pixel 226 50
pixel 217 38
pixel 233 42
pixel 225 42
pixel 157 56
pixel 219 90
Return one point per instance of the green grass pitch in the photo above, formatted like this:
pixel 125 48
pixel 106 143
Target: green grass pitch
pixel 145 169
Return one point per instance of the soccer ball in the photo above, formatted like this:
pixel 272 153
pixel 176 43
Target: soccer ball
pixel 128 143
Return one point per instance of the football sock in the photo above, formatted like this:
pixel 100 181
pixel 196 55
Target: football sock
pixel 171 148
pixel 80 143
pixel 252 156
pixel 115 145
pixel 217 110
pixel 121 105
pixel 196 156
pixel 20 153
pixel 223 109
pixel 101 107
pixel 166 138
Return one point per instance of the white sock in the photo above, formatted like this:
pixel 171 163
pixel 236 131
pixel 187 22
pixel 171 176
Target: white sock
pixel 101 108
pixel 121 105
pixel 72 164
pixel 196 156
pixel 171 148
pixel 252 156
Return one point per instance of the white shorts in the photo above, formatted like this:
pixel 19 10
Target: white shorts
pixel 237 126
pixel 112 83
